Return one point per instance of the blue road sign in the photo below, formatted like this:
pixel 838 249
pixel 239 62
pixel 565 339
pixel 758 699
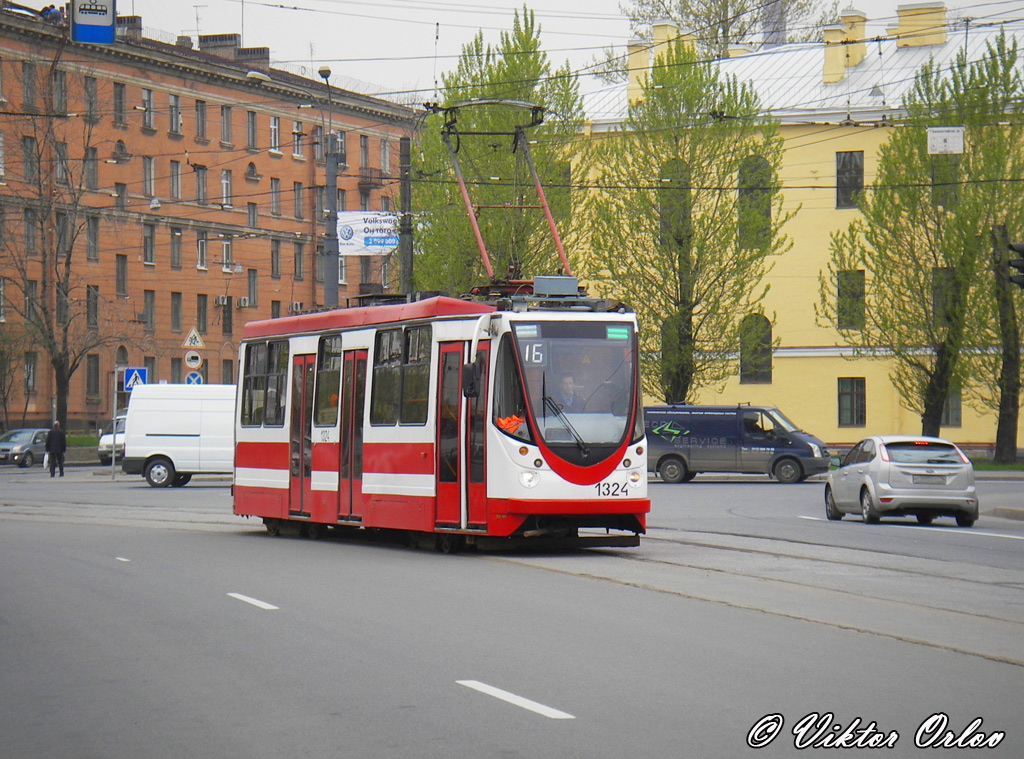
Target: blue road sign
pixel 193 378
pixel 133 377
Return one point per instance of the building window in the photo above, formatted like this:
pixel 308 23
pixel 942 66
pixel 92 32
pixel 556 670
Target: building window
pixel 176 312
pixel 252 215
pixel 174 114
pixel 754 203
pixel 29 159
pixel 120 196
pixel 275 196
pixel 60 163
pixel 175 180
pixel 364 200
pixel 201 249
pixel 147 109
pixel 149 309
pixel 342 269
pixel 200 183
pixel 951 411
pixel 90 168
pixel 119 104
pixel 364 151
pixel 31 232
pixel 175 247
pixel 227 371
pixel 28 86
pixel 121 274
pixel 297 250
pixel 275 309
pixel 92 238
pixel 275 258
pixel 852 402
pixel 92 375
pixel 341 201
pixel 59 91
pixel 225 254
pixel 251 133
pixel 201 314
pixel 92 306
pixel 297 135
pixel 850 300
pixel 148 182
pixel 275 133
pixel 253 284
pixel 364 269
pixel 226 317
pixel 30 372
pixel 849 178
pixel 385 203
pixel 755 350
pixel 148 244
pixel 297 199
pixel 942 292
pixel 945 180
pixel 91 99
pixel 225 124
pixel 200 119
pixel 225 187
pixel 31 288
pixel 176 376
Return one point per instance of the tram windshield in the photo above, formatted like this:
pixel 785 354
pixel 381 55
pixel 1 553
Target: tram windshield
pixel 580 380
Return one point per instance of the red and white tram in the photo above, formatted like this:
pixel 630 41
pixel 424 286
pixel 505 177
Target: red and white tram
pixel 461 422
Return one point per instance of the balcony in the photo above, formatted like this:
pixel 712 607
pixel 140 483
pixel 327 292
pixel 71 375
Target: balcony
pixel 372 178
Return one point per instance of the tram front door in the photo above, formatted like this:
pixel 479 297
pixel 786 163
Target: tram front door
pixel 300 497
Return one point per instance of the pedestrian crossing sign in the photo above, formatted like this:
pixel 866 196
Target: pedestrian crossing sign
pixel 133 377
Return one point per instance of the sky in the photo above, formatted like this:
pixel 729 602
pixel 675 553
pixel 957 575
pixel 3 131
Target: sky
pixel 404 46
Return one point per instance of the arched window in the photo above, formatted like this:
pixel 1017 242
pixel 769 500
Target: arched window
pixel 755 350
pixel 754 204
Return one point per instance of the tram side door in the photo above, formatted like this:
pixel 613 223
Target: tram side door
pixel 476 444
pixel 350 466
pixel 450 437
pixel 300 438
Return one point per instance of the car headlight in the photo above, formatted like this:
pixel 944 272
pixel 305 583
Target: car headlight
pixel 816 450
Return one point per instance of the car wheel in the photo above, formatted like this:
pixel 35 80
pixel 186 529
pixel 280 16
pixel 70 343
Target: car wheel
pixel 672 470
pixel 27 460
pixel 104 460
pixel 925 518
pixel 181 480
pixel 831 510
pixel 867 509
pixel 787 471
pixel 160 472
pixel 964 520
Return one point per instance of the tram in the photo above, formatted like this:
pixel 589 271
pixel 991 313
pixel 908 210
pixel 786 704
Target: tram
pixel 513 415
pixel 447 419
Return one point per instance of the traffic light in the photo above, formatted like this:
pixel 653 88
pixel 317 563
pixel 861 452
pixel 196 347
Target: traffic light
pixel 1017 263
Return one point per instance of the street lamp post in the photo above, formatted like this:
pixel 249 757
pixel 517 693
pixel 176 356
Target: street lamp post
pixel 331 231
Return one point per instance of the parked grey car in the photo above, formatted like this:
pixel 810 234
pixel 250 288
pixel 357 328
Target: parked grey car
pixel 23 447
pixel 901 475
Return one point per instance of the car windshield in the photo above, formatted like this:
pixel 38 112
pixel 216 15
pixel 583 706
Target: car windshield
pixel 120 426
pixel 16 436
pixel 923 452
pixel 782 421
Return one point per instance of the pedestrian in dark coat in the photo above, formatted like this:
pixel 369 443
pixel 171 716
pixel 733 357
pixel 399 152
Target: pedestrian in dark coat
pixel 56 445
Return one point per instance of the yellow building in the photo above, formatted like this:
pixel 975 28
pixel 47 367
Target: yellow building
pixel 836 103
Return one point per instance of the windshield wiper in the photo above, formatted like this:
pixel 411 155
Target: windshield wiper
pixel 554 408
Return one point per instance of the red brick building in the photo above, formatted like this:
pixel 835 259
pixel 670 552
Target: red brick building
pixel 149 192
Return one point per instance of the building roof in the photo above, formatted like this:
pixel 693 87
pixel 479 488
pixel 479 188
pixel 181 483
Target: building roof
pixel 789 78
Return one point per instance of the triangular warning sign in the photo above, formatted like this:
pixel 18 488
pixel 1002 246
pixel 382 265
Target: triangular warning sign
pixel 193 340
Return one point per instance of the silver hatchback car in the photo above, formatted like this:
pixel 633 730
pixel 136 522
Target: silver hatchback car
pixel 899 475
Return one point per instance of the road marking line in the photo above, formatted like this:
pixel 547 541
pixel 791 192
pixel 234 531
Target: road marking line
pixel 512 698
pixel 938 528
pixel 121 558
pixel 254 601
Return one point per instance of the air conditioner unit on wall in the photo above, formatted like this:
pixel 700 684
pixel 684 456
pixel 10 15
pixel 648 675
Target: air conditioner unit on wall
pixel 242 302
pixel 295 307
pixel 220 300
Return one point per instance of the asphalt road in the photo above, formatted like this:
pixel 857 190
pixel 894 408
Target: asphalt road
pixel 136 623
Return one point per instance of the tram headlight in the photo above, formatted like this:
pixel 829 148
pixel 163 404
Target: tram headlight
pixel 634 477
pixel 529 479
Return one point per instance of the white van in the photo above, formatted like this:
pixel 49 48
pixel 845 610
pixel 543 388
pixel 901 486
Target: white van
pixel 175 431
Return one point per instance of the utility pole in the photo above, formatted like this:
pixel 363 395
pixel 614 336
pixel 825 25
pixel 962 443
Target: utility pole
pixel 331 231
pixel 405 220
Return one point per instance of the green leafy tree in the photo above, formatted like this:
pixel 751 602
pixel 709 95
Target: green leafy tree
pixel 498 180
pixel 686 217
pixel 925 241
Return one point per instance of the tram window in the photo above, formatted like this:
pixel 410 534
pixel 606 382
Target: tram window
pixel 509 404
pixel 328 379
pixel 254 384
pixel 277 376
pixel 387 367
pixel 415 376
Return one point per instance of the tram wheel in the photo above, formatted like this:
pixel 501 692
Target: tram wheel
pixel 273 526
pixel 447 543
pixel 313 531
